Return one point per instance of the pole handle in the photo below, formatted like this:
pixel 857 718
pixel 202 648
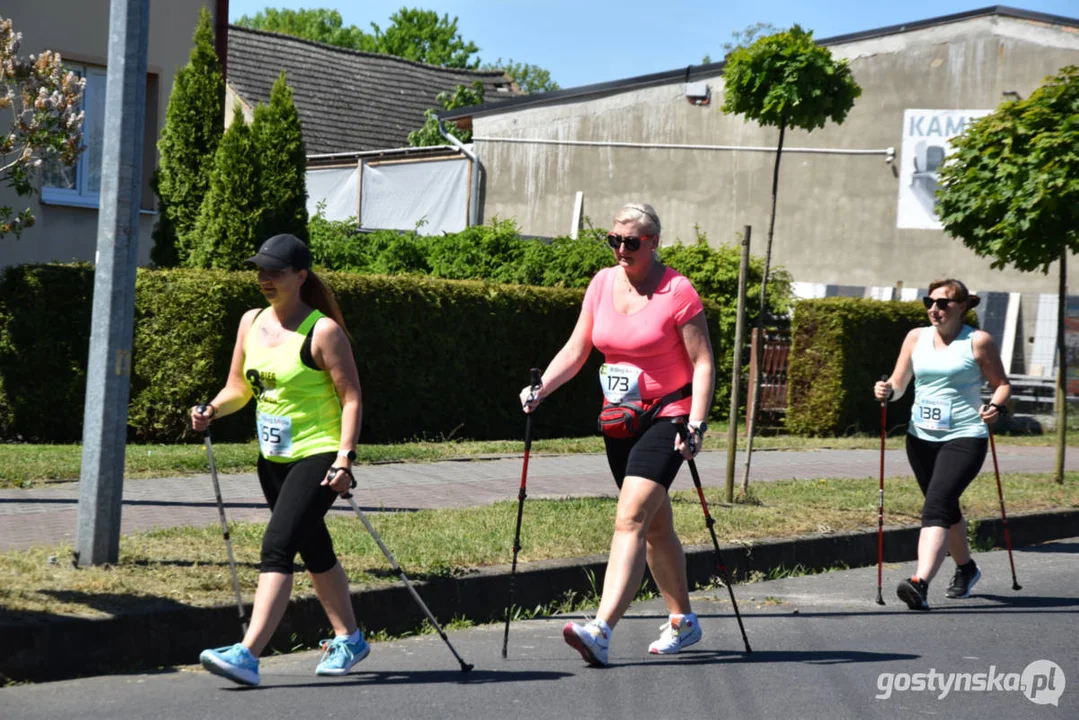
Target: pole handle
pixel 201 407
pixel 891 391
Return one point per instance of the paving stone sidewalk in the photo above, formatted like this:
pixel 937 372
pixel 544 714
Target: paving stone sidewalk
pixel 48 516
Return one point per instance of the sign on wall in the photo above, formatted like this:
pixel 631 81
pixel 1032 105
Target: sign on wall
pixel 926 136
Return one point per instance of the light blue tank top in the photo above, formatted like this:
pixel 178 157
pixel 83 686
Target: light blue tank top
pixel 947 388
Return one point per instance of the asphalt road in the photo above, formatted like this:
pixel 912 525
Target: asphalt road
pixel 822 648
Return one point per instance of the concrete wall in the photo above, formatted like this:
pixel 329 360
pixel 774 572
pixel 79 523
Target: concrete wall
pixel 836 219
pixel 78 30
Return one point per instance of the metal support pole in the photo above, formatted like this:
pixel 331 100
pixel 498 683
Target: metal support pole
pixel 736 372
pixel 108 372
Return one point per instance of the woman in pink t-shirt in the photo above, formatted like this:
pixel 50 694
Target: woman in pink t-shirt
pixel 649 323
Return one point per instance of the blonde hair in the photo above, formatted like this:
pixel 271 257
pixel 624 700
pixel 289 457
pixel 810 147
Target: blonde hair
pixel 959 291
pixel 642 215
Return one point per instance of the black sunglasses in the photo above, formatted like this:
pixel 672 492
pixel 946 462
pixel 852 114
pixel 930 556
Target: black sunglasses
pixel 632 242
pixel 941 303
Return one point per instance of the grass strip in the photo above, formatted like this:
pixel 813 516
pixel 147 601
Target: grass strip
pixel 24 465
pixel 188 566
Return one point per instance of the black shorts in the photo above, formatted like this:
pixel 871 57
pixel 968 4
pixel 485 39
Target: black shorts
pixel 651 456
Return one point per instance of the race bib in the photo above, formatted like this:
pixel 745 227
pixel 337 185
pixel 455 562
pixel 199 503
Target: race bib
pixel 275 435
pixel 932 414
pixel 620 382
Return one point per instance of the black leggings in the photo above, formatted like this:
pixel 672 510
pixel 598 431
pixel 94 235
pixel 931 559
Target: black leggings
pixel 944 470
pixel 651 456
pixel 299 504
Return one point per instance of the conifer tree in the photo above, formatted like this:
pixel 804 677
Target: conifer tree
pixel 229 219
pixel 189 140
pixel 282 161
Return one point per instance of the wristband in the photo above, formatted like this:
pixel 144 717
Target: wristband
pixel 1000 409
pixel 349 455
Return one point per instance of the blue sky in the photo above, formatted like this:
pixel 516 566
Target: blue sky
pixel 590 41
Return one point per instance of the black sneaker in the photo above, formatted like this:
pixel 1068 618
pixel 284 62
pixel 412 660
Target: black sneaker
pixel 913 592
pixel 963 580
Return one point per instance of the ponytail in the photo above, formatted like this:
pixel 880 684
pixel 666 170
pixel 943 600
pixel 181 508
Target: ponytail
pixel 315 293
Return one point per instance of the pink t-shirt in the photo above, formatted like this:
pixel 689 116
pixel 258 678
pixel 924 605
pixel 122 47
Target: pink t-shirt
pixel 648 338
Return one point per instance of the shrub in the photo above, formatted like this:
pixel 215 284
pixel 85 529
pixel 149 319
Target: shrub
pixel 841 347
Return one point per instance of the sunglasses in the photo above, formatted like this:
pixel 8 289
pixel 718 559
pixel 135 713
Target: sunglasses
pixel 941 303
pixel 632 242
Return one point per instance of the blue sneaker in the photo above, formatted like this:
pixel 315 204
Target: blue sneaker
pixel 339 655
pixel 235 663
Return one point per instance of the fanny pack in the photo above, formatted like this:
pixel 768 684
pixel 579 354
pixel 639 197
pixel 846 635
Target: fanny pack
pixel 630 418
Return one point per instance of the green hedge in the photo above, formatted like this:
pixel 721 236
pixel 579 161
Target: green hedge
pixel 497 253
pixel 436 358
pixel 840 348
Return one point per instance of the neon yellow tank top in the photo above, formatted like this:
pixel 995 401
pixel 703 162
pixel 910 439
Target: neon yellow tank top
pixel 298 413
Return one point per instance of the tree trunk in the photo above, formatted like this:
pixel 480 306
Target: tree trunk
pixel 755 382
pixel 1062 369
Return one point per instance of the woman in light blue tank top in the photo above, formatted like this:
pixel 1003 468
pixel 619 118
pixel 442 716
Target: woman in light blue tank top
pixel 948 430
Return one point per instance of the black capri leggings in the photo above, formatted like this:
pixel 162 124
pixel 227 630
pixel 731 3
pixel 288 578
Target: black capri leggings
pixel 944 470
pixel 650 456
pixel 299 504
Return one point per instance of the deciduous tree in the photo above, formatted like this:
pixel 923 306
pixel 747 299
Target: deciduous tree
pixel 462 96
pixel 319 24
pixel 785 80
pixel 1010 192
pixel 531 79
pixel 44 103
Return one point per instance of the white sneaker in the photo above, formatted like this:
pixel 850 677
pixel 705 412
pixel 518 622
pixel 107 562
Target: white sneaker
pixel 680 631
pixel 591 640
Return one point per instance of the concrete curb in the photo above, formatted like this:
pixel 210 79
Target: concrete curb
pixel 42 647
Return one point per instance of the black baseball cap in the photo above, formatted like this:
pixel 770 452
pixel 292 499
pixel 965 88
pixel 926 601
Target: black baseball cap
pixel 283 251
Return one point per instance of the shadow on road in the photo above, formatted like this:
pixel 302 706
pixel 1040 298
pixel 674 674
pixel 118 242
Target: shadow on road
pixel 419 677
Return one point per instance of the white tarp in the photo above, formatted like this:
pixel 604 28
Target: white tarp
pixel 337 188
pixel 926 135
pixel 430 196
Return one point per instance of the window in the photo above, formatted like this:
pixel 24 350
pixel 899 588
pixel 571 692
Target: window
pixel 81 183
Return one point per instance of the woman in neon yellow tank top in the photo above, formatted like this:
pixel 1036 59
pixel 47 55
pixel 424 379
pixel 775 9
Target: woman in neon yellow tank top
pixel 947 436
pixel 295 358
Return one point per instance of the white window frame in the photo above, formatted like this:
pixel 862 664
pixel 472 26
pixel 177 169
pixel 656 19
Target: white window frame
pixel 80 196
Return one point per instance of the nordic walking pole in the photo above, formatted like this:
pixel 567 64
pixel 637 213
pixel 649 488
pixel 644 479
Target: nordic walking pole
pixel 224 522
pixel 880 504
pixel 465 667
pixel 711 522
pixel 534 384
pixel 1003 515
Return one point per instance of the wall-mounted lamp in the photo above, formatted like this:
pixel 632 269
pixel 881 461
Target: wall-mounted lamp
pixel 1012 94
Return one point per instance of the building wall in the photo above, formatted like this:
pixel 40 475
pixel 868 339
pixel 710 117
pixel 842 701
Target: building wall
pixel 836 217
pixel 78 30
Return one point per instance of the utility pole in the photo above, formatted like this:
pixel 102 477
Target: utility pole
pixel 108 371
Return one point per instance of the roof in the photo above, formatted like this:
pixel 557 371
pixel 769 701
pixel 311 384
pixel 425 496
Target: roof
pixel 347 100
pixel 709 70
